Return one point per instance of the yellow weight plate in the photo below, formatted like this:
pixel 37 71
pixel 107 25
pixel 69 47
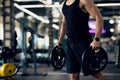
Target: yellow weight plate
pixel 7 69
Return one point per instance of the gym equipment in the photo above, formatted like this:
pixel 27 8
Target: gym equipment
pixel 94 61
pixel 7 52
pixel 117 51
pixel 58 57
pixel 8 70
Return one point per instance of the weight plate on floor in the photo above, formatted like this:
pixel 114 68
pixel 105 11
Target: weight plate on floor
pixel 7 69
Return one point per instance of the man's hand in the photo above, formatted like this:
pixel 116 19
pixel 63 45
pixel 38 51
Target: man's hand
pixel 59 44
pixel 95 44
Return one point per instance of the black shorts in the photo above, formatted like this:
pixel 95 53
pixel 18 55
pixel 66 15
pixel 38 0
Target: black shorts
pixel 75 50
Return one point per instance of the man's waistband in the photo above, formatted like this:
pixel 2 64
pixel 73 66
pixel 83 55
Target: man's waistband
pixel 80 38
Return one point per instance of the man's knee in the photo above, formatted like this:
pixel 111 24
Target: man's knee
pixel 74 76
pixel 99 76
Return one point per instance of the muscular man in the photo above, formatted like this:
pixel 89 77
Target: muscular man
pixel 75 25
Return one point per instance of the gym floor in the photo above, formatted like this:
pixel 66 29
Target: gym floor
pixel 44 72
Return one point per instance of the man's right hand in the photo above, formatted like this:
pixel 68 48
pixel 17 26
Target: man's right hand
pixel 59 44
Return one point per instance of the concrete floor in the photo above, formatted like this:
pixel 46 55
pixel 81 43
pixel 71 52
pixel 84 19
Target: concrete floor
pixel 111 72
pixel 45 72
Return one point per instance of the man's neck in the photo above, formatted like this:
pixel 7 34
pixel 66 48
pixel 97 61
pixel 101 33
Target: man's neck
pixel 70 1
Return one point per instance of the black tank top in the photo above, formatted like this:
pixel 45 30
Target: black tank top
pixel 76 21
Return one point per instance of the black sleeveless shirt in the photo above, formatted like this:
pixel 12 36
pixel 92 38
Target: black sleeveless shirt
pixel 76 21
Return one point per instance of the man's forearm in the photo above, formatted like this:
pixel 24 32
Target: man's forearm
pixel 62 32
pixel 99 26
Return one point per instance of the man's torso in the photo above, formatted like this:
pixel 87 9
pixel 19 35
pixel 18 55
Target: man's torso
pixel 76 20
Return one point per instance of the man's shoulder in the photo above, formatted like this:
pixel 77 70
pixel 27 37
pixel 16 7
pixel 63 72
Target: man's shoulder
pixel 86 2
pixel 63 2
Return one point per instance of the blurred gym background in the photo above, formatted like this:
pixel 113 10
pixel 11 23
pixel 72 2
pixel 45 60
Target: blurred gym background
pixel 31 28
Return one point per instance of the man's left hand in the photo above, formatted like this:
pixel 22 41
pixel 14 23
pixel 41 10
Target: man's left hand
pixel 95 45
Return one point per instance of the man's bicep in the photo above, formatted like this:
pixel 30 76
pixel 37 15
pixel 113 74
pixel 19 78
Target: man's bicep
pixel 92 9
pixel 63 19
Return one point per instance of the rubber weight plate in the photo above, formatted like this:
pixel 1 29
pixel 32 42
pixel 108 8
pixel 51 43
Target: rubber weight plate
pixel 58 57
pixel 7 69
